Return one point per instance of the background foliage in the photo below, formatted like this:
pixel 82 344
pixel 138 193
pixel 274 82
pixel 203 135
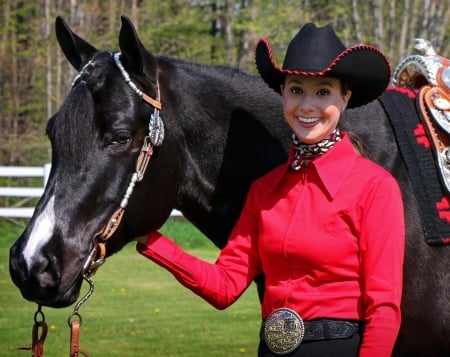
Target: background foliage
pixel 34 76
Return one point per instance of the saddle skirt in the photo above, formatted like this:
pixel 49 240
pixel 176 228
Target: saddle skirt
pixel 429 73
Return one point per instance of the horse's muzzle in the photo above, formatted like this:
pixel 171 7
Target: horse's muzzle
pixel 42 281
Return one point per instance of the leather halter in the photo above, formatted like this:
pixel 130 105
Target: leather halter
pixel 430 74
pixel 97 256
pixel 155 138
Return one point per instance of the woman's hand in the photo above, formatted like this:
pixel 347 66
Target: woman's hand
pixel 142 239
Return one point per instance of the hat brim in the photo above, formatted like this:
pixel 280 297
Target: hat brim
pixel 364 68
pixel 265 63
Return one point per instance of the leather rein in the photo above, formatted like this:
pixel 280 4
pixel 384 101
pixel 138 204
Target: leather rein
pixel 97 256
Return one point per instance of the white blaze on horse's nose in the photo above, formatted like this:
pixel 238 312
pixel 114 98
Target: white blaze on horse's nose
pixel 41 233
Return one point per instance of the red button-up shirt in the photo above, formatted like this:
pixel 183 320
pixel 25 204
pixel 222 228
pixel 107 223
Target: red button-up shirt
pixel 328 237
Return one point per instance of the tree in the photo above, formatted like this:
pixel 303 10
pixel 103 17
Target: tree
pixel 35 77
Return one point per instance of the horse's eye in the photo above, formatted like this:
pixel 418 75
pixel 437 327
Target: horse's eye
pixel 121 138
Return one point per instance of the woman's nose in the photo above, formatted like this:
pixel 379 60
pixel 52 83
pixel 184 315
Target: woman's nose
pixel 307 104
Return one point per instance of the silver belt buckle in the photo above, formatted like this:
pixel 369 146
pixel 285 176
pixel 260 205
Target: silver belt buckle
pixel 283 331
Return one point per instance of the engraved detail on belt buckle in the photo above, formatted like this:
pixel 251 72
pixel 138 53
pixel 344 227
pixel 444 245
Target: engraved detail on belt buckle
pixel 283 331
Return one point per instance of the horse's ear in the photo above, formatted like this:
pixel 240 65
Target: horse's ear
pixel 135 56
pixel 77 51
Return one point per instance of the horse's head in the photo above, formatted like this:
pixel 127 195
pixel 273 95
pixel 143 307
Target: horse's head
pixel 97 137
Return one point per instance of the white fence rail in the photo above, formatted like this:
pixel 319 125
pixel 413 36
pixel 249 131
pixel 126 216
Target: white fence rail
pixel 28 192
pixel 23 192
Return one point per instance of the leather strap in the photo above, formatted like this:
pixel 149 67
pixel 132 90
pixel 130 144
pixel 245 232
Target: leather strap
pixel 439 138
pixel 438 105
pixel 156 103
pixel 326 329
pixel 37 344
pixel 74 340
pixel 38 341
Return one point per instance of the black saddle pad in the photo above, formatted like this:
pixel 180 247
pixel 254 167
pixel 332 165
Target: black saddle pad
pixel 434 204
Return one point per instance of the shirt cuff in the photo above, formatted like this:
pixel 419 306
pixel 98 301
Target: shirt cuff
pixel 158 248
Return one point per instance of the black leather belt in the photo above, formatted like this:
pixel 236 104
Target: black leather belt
pixel 328 329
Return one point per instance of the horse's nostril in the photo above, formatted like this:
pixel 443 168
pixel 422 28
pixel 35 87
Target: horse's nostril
pixel 47 280
pixel 45 273
pixel 41 280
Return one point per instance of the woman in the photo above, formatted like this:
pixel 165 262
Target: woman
pixel 326 228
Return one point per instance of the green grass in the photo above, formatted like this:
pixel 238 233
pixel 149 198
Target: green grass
pixel 137 309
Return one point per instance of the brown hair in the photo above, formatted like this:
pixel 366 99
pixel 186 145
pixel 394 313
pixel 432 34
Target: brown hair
pixel 359 145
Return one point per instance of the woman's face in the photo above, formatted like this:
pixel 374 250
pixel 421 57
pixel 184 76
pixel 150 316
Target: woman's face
pixel 313 105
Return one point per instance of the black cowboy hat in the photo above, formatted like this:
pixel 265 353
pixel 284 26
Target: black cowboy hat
pixel 319 52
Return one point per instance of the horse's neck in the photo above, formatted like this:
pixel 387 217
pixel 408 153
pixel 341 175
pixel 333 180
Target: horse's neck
pixel 217 175
pixel 232 132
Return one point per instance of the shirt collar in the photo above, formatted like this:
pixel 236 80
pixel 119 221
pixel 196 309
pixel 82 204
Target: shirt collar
pixel 332 168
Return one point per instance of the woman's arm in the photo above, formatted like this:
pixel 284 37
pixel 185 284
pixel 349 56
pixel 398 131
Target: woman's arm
pixel 219 283
pixel 382 245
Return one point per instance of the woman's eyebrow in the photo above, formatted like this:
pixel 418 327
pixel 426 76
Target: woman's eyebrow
pixel 324 82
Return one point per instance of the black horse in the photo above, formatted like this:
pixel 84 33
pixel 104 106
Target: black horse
pixel 223 128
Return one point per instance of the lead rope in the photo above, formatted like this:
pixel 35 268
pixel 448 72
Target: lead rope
pixel 76 324
pixel 97 255
pixel 74 336
pixel 37 341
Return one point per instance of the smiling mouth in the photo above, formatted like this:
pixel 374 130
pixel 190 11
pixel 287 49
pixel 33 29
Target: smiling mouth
pixel 307 121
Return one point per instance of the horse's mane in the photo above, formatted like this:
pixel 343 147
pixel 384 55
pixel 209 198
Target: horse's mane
pixel 206 71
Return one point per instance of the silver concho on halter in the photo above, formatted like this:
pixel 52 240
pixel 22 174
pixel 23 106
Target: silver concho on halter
pixel 156 129
pixel 283 331
pixel 155 125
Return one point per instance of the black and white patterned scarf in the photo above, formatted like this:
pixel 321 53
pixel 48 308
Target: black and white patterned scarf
pixel 310 151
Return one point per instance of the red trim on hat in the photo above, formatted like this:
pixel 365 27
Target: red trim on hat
pixel 330 67
pixel 362 92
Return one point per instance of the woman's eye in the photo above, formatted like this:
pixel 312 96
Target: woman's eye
pixel 296 90
pixel 323 92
